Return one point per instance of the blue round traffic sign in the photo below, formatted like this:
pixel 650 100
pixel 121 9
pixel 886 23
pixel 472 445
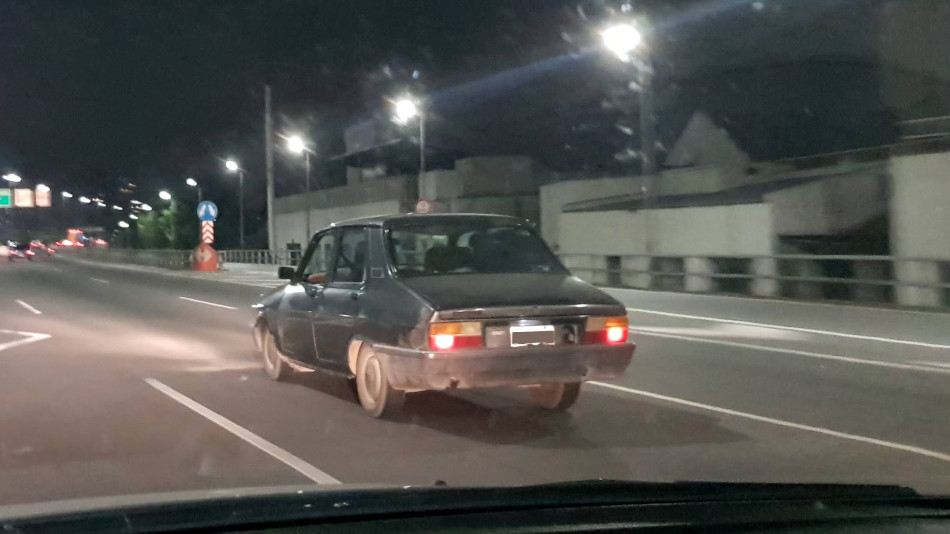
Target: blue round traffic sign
pixel 207 211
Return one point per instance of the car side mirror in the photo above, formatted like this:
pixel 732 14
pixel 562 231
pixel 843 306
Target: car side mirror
pixel 286 273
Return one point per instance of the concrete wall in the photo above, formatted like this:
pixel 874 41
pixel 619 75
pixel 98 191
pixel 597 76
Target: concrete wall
pixel 440 185
pixel 497 176
pixel 920 219
pixel 739 230
pixel 554 196
pixel 829 206
pixel 384 196
pixel 291 227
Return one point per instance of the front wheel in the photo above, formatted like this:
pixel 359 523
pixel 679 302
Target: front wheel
pixel 376 395
pixel 274 365
pixel 556 397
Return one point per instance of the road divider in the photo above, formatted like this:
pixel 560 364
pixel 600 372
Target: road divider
pixel 29 308
pixel 100 280
pixel 944 457
pixel 794 329
pixel 289 459
pixel 206 303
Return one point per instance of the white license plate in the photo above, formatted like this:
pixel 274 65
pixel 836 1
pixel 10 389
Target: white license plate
pixel 522 336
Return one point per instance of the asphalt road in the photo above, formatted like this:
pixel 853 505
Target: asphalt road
pixel 117 382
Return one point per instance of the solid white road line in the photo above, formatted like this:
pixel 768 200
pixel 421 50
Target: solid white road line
pixel 208 303
pixel 28 337
pixel 808 428
pixel 100 280
pixel 278 453
pixel 794 329
pixel 29 308
pixel 808 354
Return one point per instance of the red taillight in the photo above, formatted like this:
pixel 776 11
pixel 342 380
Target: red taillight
pixel 616 334
pixel 606 330
pixel 442 341
pixel 451 336
pixel 30 253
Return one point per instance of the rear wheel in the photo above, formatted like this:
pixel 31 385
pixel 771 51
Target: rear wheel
pixel 377 397
pixel 556 397
pixel 274 365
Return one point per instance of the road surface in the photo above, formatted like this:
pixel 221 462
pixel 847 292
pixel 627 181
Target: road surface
pixel 116 381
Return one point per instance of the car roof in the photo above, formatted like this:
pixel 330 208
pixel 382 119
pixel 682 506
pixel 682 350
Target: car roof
pixel 381 220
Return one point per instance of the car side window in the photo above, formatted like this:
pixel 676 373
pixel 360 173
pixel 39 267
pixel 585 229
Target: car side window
pixel 320 255
pixel 350 266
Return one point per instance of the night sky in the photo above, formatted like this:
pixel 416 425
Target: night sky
pixel 94 94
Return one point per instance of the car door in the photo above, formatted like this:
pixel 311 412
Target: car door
pixel 304 299
pixel 340 315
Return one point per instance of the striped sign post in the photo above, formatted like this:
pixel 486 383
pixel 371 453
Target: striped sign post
pixel 207 232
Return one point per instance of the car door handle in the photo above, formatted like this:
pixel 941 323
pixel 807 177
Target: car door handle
pixel 314 291
pixel 354 295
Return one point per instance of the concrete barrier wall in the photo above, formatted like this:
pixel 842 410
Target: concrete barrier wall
pixel 741 230
pixel 291 227
pixel 920 221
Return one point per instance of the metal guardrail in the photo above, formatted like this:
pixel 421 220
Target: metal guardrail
pixel 166 259
pixel 923 282
pixel 260 257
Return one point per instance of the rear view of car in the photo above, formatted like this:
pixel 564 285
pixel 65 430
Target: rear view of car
pixel 439 302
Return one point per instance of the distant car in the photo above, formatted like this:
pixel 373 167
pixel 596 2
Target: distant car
pixel 19 251
pixel 438 302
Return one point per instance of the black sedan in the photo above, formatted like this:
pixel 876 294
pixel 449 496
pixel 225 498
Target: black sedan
pixel 436 302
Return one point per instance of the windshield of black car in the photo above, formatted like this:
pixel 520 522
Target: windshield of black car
pixel 468 247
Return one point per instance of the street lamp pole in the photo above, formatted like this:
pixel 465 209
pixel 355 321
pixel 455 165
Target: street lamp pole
pixel 232 166
pixel 306 157
pixel 297 145
pixel 422 144
pixel 241 205
pixel 626 42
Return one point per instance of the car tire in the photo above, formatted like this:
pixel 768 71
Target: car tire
pixel 556 397
pixel 376 395
pixel 274 364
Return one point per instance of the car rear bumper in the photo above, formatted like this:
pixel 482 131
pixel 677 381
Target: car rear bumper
pixel 478 368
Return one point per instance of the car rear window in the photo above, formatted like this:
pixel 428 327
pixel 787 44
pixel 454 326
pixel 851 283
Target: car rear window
pixel 468 247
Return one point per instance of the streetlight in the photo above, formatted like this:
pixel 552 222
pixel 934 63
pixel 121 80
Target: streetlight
pixel 297 145
pixel 67 194
pixel 406 110
pixel 117 208
pixel 164 195
pixel 123 224
pixel 42 188
pixel 624 40
pixel 100 204
pixel 191 182
pixel 133 216
pixel 85 200
pixel 12 178
pixel 145 207
pixel 232 166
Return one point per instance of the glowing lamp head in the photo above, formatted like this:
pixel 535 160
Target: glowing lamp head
pixel 231 165
pixel 296 145
pixel 406 110
pixel 622 39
